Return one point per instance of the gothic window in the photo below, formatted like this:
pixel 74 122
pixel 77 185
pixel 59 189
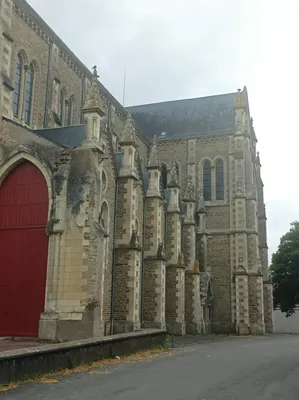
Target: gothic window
pixel 164 176
pixel 104 217
pixel 104 181
pixel 219 180
pixel 17 91
pixel 207 181
pixel 29 76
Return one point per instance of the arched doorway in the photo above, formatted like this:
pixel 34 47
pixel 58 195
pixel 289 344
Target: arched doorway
pixel 23 250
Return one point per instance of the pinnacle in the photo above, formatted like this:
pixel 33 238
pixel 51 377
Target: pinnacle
pixel 94 99
pixel 129 133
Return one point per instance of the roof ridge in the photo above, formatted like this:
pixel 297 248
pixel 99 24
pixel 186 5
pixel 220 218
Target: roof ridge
pixel 185 99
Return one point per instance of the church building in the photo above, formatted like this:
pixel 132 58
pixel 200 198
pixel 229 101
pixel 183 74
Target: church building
pixel 118 219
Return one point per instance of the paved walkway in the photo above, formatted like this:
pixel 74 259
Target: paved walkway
pixel 254 368
pixel 8 344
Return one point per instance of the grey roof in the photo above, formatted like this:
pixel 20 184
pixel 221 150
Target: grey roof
pixel 180 118
pixel 66 136
pixel 62 46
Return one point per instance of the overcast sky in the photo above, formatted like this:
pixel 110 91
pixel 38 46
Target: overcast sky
pixel 175 49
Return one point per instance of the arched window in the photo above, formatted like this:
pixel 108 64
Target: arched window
pixel 69 112
pixel 104 216
pixel 104 181
pixel 219 180
pixel 17 91
pixel 29 76
pixel 164 176
pixel 207 181
pixel 62 107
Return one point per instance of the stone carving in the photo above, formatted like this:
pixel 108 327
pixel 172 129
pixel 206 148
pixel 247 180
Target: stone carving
pixel 201 202
pixel 160 253
pixel 196 267
pixel 240 101
pixel 153 157
pixel 135 239
pixel 206 293
pixel 190 190
pixel 173 174
pixel 240 188
pixel 129 133
pixel 258 161
pixel 180 259
pixel 102 225
pixel 93 98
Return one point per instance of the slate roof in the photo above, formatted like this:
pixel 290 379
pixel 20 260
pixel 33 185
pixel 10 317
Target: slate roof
pixel 66 136
pixel 190 117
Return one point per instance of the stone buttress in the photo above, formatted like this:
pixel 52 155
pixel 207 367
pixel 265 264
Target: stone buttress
pixel 193 315
pixel 154 258
pixel 248 278
pixel 74 301
pixel 263 251
pixel 202 254
pixel 175 269
pixel 126 313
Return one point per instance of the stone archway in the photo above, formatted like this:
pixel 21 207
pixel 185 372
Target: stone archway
pixel 24 202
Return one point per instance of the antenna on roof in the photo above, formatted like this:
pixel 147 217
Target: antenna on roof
pixel 124 89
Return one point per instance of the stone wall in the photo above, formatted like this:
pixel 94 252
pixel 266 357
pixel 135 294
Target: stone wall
pixel 219 262
pixel 25 363
pixel 33 48
pixel 218 218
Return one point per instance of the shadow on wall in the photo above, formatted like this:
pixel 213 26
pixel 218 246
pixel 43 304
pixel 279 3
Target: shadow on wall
pixel 286 325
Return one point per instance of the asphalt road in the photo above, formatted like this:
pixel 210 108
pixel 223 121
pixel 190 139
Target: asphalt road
pixel 264 368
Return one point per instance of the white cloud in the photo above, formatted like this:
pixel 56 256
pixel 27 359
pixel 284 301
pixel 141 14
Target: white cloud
pixel 191 48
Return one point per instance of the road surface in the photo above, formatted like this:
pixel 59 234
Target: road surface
pixel 261 368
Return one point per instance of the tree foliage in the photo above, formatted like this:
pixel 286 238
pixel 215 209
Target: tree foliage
pixel 285 271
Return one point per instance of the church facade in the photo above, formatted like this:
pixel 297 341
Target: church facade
pixel 113 219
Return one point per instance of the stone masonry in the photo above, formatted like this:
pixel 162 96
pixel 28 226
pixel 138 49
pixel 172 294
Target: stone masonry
pixel 156 214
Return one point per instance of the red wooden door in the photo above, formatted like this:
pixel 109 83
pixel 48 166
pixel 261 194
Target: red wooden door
pixel 23 250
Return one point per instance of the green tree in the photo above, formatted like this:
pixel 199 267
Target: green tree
pixel 285 271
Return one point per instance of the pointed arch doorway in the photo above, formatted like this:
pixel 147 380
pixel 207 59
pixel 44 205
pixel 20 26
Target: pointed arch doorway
pixel 24 204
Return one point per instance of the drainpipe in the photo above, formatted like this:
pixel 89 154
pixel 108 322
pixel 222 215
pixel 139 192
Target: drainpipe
pixel 82 99
pixel 47 87
pixel 142 266
pixel 113 257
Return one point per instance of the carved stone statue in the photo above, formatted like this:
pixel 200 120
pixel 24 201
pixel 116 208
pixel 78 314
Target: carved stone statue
pixel 153 157
pixel 134 239
pixel 174 177
pixel 160 253
pixel 190 190
pixel 201 202
pixel 180 259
